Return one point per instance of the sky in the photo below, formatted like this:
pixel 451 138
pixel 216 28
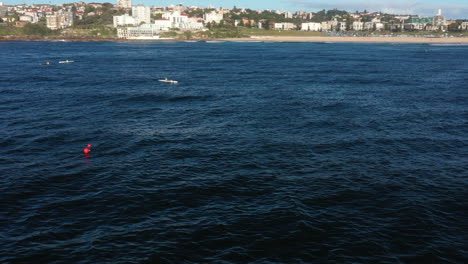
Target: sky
pixel 451 8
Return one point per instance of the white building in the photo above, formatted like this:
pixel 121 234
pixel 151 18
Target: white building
pixel 162 24
pixel 379 26
pixel 288 15
pixel 332 24
pixel 284 26
pixel 418 26
pixel 369 26
pixel 3 10
pixel 124 20
pixel 191 25
pixel 464 25
pixel 145 31
pixel 175 17
pixel 326 26
pixel 141 14
pixel 60 20
pixel 124 3
pixel 34 16
pixel 358 26
pixel 212 17
pixel 176 20
pixel 311 26
pixel 439 19
pixel 343 26
pixel 26 19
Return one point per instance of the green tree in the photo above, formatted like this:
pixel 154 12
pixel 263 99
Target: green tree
pixel 196 13
pixel 107 6
pixel 188 34
pixel 156 16
pixel 36 30
pixel 455 27
pixel 42 21
pixel 89 9
pixel 387 27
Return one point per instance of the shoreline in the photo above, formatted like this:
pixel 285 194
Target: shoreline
pixel 341 39
pixel 400 39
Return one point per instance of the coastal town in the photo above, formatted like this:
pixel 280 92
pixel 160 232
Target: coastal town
pixel 123 20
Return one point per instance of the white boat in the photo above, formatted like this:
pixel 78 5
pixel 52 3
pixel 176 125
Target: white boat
pixel 168 81
pixel 66 61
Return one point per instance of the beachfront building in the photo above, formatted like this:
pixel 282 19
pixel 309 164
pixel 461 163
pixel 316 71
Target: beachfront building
pixel 192 24
pixel 464 26
pixel 212 17
pixel 284 26
pixel 311 26
pixel 124 20
pixel 162 24
pixel 379 26
pixel 343 26
pixel 124 3
pixel 368 26
pixel 358 26
pixel 439 19
pixel 325 26
pixel 333 24
pixel 59 20
pixel 145 31
pixel 175 17
pixel 373 26
pixel 420 20
pixel 418 23
pixel 176 20
pixel 142 14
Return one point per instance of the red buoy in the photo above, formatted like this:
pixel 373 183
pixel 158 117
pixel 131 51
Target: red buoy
pixel 89 146
pixel 86 150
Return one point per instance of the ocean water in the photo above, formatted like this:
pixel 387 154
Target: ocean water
pixel 262 153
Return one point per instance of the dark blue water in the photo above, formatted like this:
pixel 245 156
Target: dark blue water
pixel 262 153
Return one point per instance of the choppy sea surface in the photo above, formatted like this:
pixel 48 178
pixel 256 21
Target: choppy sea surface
pixel 262 153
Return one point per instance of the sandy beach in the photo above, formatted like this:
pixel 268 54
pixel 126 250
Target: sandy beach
pixel 379 39
pixel 399 39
